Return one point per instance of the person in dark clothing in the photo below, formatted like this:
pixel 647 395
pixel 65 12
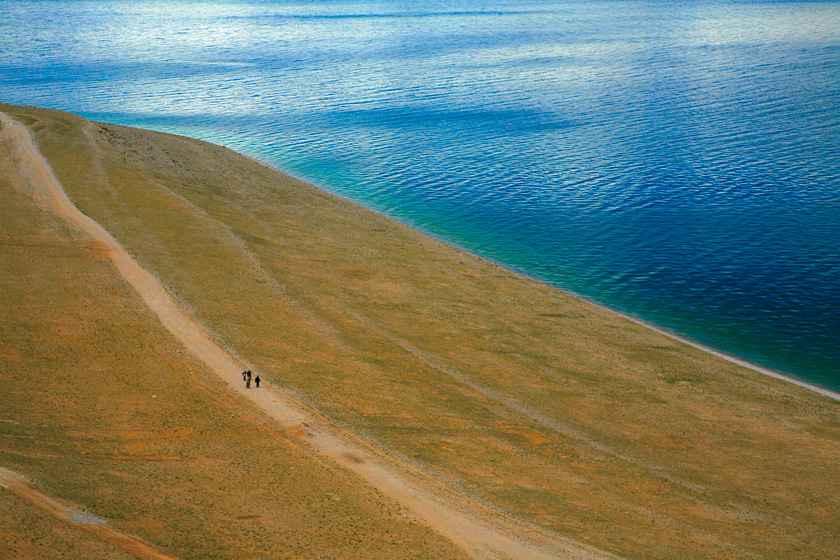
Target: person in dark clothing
pixel 248 380
pixel 257 380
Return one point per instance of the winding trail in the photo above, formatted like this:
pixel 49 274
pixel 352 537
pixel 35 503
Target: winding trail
pixel 479 530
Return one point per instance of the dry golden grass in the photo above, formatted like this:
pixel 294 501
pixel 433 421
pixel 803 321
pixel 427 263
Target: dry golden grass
pixel 548 408
pixel 102 408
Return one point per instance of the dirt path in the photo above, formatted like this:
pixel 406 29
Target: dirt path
pixel 482 532
pixel 84 521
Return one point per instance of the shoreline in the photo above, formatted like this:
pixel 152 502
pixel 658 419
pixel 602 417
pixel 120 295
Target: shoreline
pixel 769 372
pixel 775 374
pixel 728 357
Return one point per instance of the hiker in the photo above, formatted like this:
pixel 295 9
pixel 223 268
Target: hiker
pixel 248 380
pixel 244 375
pixel 257 380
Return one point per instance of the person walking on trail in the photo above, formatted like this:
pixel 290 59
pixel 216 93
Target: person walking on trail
pixel 248 380
pixel 257 380
pixel 244 375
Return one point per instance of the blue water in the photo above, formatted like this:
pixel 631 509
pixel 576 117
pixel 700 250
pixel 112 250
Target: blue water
pixel 678 161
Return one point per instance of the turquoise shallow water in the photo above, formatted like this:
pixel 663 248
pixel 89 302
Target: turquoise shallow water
pixel 679 161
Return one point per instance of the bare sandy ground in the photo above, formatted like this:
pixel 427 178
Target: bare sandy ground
pixel 481 531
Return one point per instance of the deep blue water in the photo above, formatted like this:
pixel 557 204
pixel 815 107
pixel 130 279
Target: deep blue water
pixel 678 161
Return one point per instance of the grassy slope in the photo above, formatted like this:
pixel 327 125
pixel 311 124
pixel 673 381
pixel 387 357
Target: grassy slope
pixel 551 409
pixel 101 407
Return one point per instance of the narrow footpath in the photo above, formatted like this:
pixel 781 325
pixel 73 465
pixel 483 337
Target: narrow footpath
pixel 91 524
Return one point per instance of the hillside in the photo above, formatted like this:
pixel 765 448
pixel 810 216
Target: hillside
pixel 514 404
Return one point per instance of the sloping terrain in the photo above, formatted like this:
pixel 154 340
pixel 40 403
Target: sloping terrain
pixel 503 392
pixel 478 530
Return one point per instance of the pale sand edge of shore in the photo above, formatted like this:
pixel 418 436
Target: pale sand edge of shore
pixel 728 357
